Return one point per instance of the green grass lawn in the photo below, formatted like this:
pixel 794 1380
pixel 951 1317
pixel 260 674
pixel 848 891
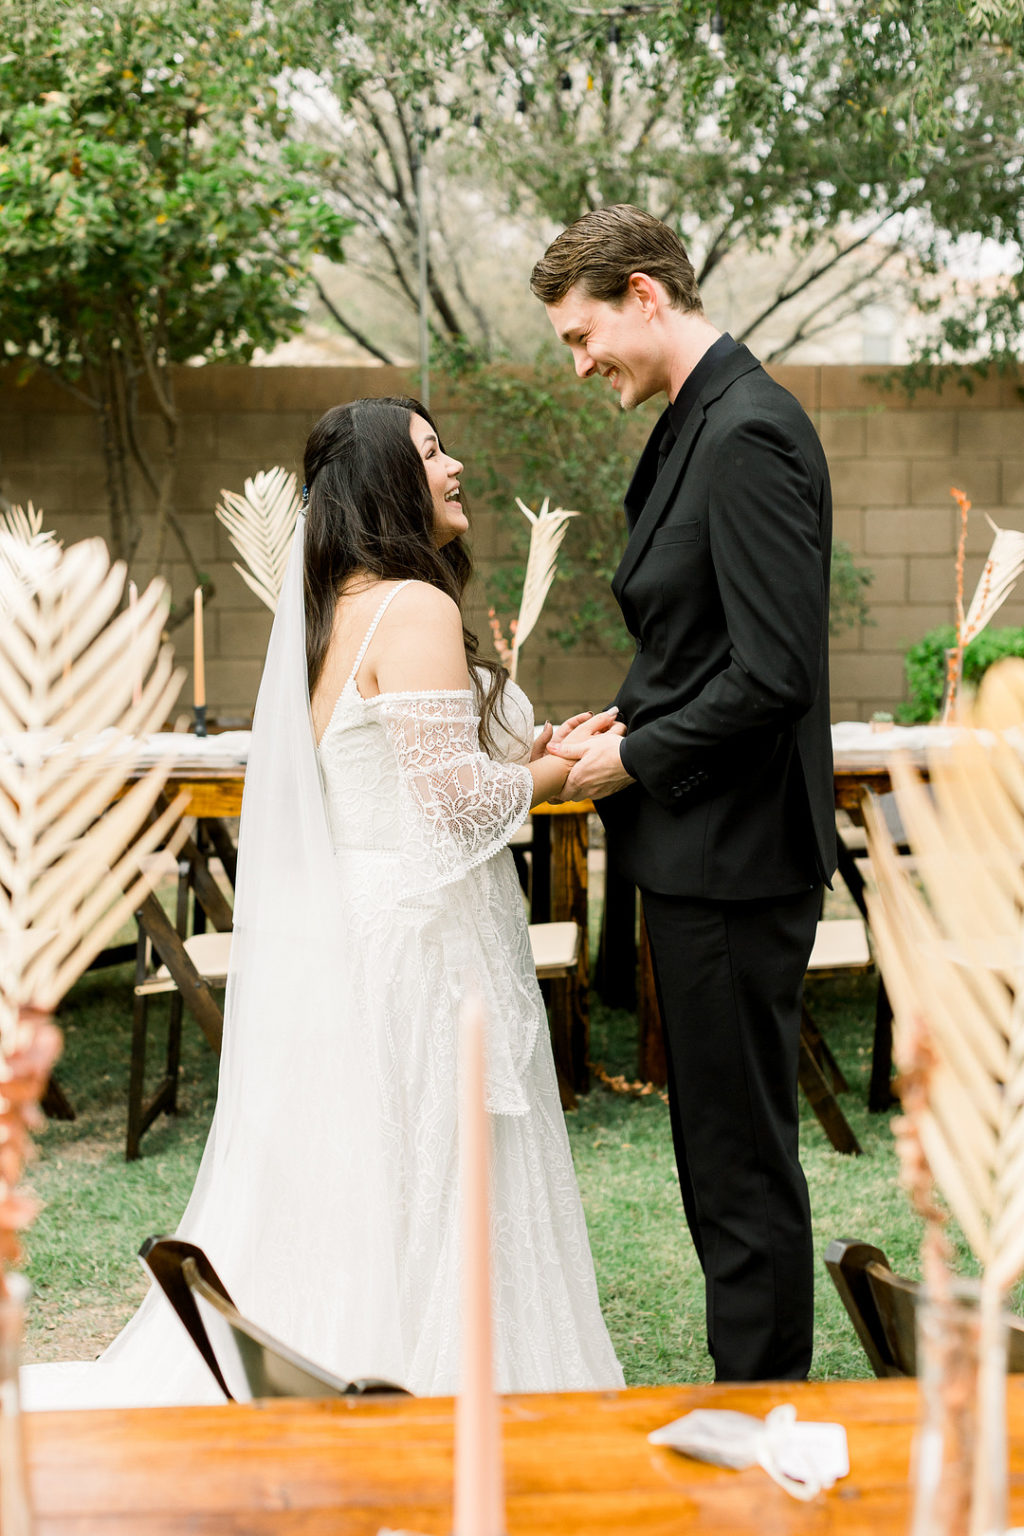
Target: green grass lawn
pixel 81 1251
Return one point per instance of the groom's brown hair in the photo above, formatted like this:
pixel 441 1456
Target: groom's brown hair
pixel 602 250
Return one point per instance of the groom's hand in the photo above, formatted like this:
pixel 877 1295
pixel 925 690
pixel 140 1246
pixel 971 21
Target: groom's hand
pixel 597 765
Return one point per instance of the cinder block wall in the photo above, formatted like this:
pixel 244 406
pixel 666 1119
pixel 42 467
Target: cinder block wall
pixel 893 461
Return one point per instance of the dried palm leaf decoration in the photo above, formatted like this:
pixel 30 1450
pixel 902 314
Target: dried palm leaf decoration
pixel 951 950
pixel 547 530
pixel 998 578
pixel 261 524
pixel 24 525
pixel 1002 567
pixel 71 852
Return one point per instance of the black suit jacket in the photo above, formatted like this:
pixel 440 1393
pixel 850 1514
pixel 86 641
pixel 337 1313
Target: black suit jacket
pixel 724 584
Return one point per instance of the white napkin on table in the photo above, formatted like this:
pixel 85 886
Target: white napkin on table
pixel 803 1458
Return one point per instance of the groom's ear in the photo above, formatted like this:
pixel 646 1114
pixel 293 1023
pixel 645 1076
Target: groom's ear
pixel 647 293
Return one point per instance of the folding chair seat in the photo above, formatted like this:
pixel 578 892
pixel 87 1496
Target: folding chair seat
pixel 245 1361
pixel 556 949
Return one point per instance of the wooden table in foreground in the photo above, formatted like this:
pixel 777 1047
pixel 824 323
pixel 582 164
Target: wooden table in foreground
pixel 575 1464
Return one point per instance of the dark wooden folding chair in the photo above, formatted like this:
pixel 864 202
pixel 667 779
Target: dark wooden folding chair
pixel 882 1307
pixel 840 949
pixel 244 1360
pixel 168 960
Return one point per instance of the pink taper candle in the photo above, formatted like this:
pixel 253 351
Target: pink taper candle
pixel 479 1483
pixel 198 656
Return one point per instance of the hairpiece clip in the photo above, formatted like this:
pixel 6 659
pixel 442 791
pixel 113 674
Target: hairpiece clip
pixel 305 495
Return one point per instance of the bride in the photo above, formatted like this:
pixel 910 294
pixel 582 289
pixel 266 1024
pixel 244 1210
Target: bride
pixel 389 766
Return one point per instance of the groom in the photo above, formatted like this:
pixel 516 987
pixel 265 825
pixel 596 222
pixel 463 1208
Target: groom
pixel 718 800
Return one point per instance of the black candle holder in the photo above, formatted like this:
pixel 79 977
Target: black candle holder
pixel 199 710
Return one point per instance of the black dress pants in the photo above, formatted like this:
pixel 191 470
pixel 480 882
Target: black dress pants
pixel 729 977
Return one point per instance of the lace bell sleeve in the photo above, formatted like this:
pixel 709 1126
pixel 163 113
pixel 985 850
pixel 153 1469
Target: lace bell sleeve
pixel 459 806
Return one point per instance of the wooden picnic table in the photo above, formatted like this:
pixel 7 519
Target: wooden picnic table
pixel 575 1464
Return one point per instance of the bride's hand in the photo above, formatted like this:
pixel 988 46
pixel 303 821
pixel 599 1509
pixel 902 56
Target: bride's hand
pixel 581 729
pixel 560 732
pixel 540 741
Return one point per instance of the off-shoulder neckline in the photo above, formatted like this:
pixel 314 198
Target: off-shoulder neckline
pixel 351 687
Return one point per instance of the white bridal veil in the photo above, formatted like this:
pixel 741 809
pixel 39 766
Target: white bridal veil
pixel 291 1197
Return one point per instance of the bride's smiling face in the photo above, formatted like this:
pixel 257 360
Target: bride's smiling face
pixel 443 479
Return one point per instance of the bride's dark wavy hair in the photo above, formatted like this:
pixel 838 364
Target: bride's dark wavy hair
pixel 370 510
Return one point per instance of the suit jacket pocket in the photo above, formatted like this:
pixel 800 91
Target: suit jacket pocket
pixel 677 533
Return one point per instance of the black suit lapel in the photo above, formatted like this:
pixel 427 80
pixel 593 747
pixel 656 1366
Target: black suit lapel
pixel 646 472
pixel 644 521
pixel 659 498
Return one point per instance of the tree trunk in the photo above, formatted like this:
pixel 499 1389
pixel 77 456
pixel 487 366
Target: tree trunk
pixel 107 391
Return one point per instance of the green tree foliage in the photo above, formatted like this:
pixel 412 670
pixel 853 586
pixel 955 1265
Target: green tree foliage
pixel 856 140
pixel 152 212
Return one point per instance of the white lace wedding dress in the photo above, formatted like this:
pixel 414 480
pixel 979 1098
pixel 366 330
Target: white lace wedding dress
pixel 329 1191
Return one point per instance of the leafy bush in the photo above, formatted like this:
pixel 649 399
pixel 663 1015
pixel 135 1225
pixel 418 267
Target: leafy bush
pixel 926 667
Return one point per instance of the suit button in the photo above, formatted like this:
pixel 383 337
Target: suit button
pixel 677 790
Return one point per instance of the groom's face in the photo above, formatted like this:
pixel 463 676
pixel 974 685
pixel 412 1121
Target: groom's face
pixel 617 341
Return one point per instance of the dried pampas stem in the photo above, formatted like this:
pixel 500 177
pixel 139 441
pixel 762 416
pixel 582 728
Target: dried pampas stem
pixel 547 531
pixel 261 524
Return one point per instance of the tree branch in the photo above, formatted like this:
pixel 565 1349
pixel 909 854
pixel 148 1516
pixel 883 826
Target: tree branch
pixel 165 405
pixel 348 327
pixel 805 329
pixel 785 295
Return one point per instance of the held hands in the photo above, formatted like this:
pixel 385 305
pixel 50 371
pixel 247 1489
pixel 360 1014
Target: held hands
pixel 591 744
pixel 556 734
pixel 581 729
